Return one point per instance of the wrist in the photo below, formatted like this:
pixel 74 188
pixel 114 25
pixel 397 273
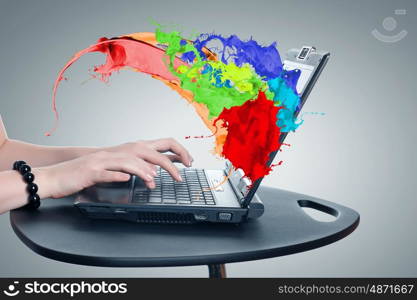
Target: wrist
pixel 78 152
pixel 45 181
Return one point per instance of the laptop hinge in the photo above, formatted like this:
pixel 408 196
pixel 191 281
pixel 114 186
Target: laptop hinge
pixel 239 183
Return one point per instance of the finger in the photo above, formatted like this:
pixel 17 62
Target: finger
pixel 154 168
pixel 154 157
pixel 172 145
pixel 130 164
pixel 113 176
pixel 150 184
pixel 173 157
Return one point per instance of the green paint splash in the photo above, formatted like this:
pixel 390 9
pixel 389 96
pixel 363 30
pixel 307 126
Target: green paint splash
pixel 213 83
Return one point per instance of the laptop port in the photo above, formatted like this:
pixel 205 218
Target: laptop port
pixel 201 217
pixel 224 216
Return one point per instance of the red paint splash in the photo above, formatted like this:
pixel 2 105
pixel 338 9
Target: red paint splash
pixel 252 135
pixel 277 164
pixel 199 136
pixel 120 53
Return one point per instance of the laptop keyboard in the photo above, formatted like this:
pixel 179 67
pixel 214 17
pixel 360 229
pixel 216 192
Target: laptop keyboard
pixel 195 189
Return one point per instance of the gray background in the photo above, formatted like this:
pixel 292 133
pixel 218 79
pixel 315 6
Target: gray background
pixel 361 154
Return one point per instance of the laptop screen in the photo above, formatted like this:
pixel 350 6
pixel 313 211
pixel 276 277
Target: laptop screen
pixel 306 72
pixel 310 71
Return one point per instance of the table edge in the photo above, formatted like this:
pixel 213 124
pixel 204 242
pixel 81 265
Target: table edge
pixel 194 260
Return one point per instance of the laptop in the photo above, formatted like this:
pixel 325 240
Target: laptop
pixel 201 197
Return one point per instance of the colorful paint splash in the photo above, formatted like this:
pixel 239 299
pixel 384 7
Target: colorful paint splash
pixel 239 89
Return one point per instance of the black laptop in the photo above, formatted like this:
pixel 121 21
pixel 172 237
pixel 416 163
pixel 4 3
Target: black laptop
pixel 200 197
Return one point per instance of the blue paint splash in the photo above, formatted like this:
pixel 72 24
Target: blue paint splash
pixel 285 94
pixel 265 59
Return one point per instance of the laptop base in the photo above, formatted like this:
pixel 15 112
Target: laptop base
pixel 170 214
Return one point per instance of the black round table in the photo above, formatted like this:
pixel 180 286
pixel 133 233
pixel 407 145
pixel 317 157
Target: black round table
pixel 59 231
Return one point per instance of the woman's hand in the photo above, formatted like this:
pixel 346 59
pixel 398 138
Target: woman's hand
pixel 113 164
pixel 152 152
pixel 69 177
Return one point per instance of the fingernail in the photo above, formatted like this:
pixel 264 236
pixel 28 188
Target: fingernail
pixel 154 173
pixel 179 176
pixel 149 177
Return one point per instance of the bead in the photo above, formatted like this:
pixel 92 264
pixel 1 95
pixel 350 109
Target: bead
pixel 34 201
pixel 24 169
pixel 34 198
pixel 28 177
pixel 17 164
pixel 35 205
pixel 32 188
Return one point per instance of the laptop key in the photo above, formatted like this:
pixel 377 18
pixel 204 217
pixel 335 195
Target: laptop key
pixel 169 201
pixel 155 200
pixel 198 202
pixel 184 202
pixel 140 199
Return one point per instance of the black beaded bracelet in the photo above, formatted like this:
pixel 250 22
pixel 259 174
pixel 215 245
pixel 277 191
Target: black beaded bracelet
pixel 24 169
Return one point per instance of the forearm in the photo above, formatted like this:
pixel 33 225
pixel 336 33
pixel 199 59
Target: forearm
pixel 37 156
pixel 13 192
